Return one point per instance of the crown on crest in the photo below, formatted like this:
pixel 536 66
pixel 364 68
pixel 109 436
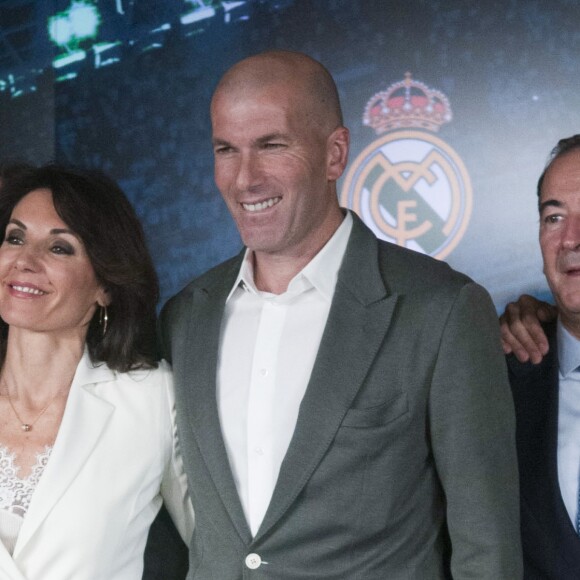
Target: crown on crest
pixel 407 103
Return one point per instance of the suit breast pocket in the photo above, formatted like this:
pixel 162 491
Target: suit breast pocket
pixel 379 415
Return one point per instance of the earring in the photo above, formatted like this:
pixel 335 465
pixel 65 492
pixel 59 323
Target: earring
pixel 103 319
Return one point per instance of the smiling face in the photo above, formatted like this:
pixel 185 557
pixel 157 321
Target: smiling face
pixel 560 235
pixel 276 162
pixel 47 282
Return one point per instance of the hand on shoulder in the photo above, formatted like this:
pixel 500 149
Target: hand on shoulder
pixel 521 328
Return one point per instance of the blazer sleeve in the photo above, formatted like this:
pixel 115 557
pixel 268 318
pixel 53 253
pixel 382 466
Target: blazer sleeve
pixel 472 425
pixel 174 485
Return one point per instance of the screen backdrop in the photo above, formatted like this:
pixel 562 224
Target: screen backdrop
pixel 453 107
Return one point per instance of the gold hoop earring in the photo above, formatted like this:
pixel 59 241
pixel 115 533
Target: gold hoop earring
pixel 103 319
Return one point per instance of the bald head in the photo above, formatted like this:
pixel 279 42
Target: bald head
pixel 309 83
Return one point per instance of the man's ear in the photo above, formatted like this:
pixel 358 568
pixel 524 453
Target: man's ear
pixel 337 146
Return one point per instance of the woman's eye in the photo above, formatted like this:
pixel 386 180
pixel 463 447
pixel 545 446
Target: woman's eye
pixel 13 239
pixel 62 249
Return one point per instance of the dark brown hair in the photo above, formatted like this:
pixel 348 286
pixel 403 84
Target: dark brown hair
pixel 96 209
pixel 563 147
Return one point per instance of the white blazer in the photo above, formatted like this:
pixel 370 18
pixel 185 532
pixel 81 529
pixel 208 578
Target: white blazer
pixel 114 460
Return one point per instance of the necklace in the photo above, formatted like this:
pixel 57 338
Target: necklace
pixel 23 424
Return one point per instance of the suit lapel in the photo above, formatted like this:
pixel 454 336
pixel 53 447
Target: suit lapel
pixel 555 511
pixel 535 391
pixel 84 420
pixel 199 374
pixel 549 453
pixel 8 568
pixel 358 321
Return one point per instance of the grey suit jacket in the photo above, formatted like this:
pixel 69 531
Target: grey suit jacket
pixel 402 464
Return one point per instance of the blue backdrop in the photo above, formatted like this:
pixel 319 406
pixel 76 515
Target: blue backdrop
pixel 127 91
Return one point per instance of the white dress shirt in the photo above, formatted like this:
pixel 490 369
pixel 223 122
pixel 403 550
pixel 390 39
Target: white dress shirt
pixel 569 420
pixel 268 346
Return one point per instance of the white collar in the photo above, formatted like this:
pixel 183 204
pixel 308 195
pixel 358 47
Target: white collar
pixel 321 272
pixel 568 350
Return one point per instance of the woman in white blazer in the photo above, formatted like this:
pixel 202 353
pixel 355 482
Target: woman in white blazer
pixel 88 447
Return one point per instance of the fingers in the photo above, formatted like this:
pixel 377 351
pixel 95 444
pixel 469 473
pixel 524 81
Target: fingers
pixel 521 330
pixel 547 312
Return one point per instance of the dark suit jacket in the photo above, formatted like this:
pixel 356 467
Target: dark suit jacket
pixel 405 437
pixel 165 555
pixel 551 546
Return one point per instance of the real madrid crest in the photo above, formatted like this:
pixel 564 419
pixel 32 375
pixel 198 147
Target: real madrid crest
pixel 409 186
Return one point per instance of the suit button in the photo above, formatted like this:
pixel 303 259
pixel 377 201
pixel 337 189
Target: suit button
pixel 253 561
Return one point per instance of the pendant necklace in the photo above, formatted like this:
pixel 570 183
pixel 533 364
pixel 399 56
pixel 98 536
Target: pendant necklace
pixel 27 426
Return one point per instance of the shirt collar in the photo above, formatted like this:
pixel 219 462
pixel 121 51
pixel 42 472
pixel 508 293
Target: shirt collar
pixel 568 350
pixel 321 272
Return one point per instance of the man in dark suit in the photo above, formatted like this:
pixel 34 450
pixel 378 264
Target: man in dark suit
pixel 547 390
pixel 342 403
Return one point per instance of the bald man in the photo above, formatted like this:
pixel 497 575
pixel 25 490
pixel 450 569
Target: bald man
pixel 343 405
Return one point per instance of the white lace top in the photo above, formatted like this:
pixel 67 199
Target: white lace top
pixel 16 493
